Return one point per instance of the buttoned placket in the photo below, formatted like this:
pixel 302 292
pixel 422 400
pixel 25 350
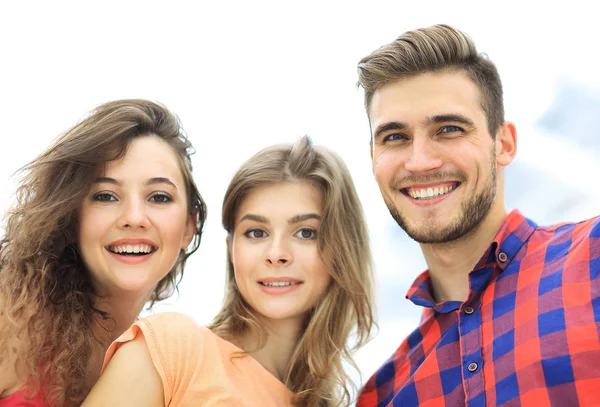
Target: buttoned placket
pixel 470 338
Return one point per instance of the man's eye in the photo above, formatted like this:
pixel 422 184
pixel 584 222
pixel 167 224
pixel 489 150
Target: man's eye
pixel 450 129
pixel 104 197
pixel 255 234
pixel 307 233
pixel 394 137
pixel 160 198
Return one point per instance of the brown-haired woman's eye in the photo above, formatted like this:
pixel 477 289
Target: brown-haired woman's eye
pixel 103 197
pixel 161 198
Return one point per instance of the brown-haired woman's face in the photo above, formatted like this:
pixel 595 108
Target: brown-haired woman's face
pixel 135 220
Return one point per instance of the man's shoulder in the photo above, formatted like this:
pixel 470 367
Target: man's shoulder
pixel 575 231
pixel 575 245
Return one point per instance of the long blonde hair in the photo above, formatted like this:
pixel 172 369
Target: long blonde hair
pixel 316 372
pixel 46 295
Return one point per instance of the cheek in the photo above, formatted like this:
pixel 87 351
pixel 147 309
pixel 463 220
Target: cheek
pixel 172 224
pixel 320 274
pixel 244 260
pixel 91 226
pixel 471 169
pixel 323 279
pixel 91 232
pixel 385 166
pixel 242 279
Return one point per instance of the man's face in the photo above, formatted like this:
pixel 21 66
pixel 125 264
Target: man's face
pixel 433 156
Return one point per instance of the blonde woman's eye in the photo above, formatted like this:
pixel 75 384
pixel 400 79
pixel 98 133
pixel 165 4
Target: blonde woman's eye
pixel 255 234
pixel 160 198
pixel 103 197
pixel 307 233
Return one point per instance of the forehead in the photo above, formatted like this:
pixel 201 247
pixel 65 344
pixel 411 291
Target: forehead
pixel 148 156
pixel 285 199
pixel 413 99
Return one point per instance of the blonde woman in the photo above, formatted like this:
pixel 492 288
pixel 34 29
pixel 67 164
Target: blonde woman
pixel 298 285
pixel 105 220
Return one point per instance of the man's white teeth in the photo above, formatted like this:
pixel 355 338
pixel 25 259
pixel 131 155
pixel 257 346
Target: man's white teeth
pixel 132 249
pixel 427 193
pixel 278 283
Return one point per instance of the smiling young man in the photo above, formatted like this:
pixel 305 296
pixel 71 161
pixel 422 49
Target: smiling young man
pixel 511 309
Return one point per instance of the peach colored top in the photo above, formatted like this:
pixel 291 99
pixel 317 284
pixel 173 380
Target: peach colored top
pixel 196 366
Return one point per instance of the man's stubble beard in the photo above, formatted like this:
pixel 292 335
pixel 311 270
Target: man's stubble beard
pixel 472 213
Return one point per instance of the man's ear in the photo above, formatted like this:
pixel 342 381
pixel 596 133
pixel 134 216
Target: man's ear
pixel 506 144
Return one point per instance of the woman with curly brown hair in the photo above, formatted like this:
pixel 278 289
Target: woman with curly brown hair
pixel 105 220
pixel 299 284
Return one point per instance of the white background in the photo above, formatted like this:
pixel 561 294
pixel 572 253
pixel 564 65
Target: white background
pixel 244 75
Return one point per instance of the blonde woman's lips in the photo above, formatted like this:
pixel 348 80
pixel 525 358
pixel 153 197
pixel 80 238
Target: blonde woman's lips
pixel 279 285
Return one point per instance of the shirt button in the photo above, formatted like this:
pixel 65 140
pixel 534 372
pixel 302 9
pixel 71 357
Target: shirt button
pixel 472 367
pixel 469 310
pixel 502 257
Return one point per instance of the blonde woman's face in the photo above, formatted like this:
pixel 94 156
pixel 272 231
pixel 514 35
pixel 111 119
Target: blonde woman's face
pixel 278 269
pixel 134 221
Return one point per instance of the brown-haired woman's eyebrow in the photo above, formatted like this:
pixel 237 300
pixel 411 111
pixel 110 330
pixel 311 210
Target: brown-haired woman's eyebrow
pixel 106 180
pixel 161 180
pixel 151 181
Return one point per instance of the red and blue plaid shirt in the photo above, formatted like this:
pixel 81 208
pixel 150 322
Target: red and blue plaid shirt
pixel 527 335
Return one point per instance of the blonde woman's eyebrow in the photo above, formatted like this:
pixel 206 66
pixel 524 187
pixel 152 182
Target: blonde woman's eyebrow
pixel 295 219
pixel 256 218
pixel 301 218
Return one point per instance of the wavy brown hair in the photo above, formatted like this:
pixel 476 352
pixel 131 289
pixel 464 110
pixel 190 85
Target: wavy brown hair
pixel 46 295
pixel 316 372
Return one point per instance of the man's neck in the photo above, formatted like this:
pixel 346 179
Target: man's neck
pixel 450 263
pixel 282 339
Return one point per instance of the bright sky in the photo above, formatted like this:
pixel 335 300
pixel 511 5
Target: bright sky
pixel 243 75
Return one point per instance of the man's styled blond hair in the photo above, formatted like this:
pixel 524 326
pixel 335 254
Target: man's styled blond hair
pixel 439 48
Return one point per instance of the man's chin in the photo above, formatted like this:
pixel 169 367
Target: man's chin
pixel 429 234
pixel 427 230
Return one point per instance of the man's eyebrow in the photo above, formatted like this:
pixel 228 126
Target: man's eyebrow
pixel 300 218
pixel 161 180
pixel 387 127
pixel 256 218
pixel 451 117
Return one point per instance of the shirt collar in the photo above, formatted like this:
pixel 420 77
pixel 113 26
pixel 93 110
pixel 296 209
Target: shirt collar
pixel 514 232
